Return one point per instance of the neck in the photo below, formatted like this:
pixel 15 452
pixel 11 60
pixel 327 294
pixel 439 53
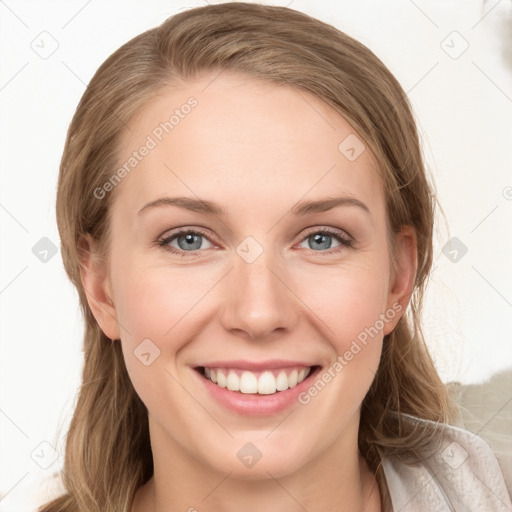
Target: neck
pixel 181 482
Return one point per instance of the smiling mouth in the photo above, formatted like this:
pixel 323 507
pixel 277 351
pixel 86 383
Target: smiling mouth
pixel 267 382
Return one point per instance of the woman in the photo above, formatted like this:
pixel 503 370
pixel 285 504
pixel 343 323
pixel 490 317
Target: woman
pixel 245 213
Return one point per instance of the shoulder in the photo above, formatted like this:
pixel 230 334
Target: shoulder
pixel 460 474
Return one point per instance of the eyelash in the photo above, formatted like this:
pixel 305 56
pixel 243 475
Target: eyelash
pixel 345 243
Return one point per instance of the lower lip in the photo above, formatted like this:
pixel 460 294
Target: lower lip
pixel 254 404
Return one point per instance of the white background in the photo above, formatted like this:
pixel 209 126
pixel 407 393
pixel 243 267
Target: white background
pixel 464 109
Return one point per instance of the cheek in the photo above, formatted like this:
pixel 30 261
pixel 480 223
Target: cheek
pixel 350 306
pixel 154 302
pixel 347 302
pixel 156 309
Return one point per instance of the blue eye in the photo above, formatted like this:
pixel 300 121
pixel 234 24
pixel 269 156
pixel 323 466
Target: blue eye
pixel 191 241
pixel 186 239
pixel 322 239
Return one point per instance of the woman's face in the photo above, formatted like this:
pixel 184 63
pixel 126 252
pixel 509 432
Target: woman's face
pixel 291 281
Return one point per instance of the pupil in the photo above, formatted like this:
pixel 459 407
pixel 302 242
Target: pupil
pixel 319 239
pixel 190 239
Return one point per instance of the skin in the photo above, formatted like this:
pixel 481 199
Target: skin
pixel 256 149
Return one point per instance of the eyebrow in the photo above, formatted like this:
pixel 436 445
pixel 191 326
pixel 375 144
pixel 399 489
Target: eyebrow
pixel 210 207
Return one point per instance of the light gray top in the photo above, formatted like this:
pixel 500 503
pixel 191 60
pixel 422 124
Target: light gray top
pixel 462 475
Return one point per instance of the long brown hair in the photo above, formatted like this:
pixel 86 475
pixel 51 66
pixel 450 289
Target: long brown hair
pixel 108 454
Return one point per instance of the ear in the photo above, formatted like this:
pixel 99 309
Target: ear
pixel 95 280
pixel 403 275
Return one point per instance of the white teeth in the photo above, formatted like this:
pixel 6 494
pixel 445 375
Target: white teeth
pixel 266 384
pixel 282 381
pixel 233 383
pixel 221 379
pixel 292 379
pixel 248 382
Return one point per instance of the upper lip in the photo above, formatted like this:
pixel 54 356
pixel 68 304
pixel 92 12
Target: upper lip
pixel 256 365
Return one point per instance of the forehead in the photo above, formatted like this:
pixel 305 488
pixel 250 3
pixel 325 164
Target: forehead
pixel 233 138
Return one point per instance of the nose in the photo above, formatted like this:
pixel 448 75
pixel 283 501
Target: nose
pixel 258 299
